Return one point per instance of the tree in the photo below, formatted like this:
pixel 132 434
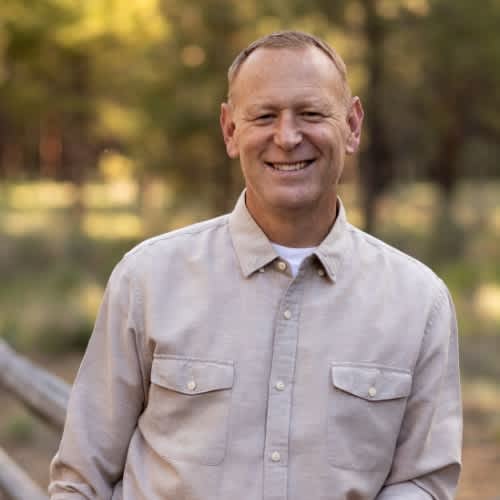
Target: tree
pixel 461 79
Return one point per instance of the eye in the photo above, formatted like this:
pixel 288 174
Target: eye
pixel 264 117
pixel 312 115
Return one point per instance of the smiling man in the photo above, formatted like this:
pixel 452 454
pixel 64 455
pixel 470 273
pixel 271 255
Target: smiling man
pixel 278 352
pixel 290 120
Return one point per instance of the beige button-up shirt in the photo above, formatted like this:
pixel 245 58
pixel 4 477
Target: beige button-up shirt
pixel 213 374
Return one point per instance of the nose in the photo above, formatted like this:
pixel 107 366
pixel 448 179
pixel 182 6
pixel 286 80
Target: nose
pixel 287 135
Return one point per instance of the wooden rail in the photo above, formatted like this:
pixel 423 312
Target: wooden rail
pixel 43 394
pixel 15 483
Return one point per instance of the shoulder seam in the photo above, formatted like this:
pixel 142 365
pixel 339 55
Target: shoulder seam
pixel 176 233
pixel 438 301
pixel 375 242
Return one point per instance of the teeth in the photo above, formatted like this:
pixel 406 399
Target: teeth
pixel 290 167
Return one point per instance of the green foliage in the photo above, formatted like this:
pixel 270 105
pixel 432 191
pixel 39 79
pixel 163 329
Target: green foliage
pixel 50 293
pixel 52 278
pixel 460 276
pixel 146 78
pixel 18 429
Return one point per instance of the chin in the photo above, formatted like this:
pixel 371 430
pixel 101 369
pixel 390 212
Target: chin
pixel 294 203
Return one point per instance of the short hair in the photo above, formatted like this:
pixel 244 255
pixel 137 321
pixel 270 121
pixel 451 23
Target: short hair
pixel 289 40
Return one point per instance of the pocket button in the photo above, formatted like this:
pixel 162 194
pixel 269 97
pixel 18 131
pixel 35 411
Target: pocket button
pixel 372 392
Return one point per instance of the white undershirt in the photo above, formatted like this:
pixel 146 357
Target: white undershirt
pixel 294 256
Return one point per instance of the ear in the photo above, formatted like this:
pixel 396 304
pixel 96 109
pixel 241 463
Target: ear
pixel 228 129
pixel 355 123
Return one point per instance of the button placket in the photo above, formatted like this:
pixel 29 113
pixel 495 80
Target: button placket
pixel 280 385
pixel 280 393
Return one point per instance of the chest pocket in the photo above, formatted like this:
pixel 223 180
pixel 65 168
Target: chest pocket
pixel 365 410
pixel 187 416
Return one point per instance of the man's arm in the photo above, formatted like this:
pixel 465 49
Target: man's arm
pixel 106 400
pixel 427 459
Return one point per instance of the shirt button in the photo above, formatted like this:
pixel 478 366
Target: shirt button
pixel 261 270
pixel 321 272
pixel 287 314
pixel 281 265
pixel 275 456
pixel 191 385
pixel 372 392
pixel 280 385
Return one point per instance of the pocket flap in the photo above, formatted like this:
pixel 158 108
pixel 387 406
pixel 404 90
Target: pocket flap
pixel 191 376
pixel 373 383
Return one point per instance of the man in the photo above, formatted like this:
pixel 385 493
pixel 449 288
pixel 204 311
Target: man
pixel 277 352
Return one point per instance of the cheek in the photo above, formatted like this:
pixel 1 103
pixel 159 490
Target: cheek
pixel 335 141
pixel 251 144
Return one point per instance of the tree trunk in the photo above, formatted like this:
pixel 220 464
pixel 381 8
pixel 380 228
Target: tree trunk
pixel 227 186
pixel 444 170
pixel 77 149
pixel 376 161
pixel 50 148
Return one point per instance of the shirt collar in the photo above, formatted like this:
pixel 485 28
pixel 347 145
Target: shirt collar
pixel 334 248
pixel 254 250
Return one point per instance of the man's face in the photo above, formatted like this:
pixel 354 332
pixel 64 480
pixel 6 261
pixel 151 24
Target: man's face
pixel 290 125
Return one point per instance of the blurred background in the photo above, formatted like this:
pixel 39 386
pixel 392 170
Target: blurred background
pixel 109 134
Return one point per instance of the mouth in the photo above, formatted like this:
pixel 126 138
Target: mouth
pixel 289 167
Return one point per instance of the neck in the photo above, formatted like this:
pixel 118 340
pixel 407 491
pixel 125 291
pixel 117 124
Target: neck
pixel 296 228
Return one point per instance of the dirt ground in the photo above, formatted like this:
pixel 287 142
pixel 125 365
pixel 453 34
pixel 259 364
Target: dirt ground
pixel 32 444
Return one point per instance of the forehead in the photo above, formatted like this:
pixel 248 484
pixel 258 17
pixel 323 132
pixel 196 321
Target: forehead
pixel 307 73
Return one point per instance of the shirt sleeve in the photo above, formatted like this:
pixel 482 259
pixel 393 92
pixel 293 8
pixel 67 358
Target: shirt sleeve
pixel 106 400
pixel 427 460
pixel 403 491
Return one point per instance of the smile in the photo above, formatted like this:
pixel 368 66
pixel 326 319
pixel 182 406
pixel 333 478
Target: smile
pixel 289 167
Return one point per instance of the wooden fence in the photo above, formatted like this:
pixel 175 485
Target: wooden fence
pixel 43 394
